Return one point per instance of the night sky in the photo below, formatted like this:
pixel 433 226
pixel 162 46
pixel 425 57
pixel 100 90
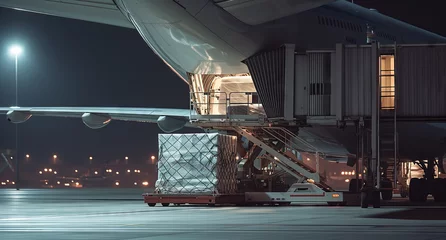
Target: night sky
pixel 75 63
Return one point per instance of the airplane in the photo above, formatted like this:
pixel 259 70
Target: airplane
pixel 214 37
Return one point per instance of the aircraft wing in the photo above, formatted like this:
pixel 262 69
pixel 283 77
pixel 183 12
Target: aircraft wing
pixel 168 120
pixel 99 11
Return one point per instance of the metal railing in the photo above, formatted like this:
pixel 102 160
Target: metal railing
pixel 291 141
pixel 224 106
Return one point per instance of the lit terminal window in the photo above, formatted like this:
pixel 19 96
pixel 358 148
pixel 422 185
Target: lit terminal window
pixel 387 70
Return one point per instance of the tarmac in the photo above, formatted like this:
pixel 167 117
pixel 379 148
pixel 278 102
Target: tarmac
pixel 121 214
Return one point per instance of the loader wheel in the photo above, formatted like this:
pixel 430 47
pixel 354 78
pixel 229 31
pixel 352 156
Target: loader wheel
pixel 165 204
pixel 404 192
pixel 387 194
pixel 151 204
pixel 364 200
pixel 417 190
pixel 439 190
pixel 355 182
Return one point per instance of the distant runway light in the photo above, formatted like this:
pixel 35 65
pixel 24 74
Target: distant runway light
pixel 135 183
pixel 117 173
pixel 40 172
pixel 126 158
pixel 27 155
pixel 55 172
pixel 75 170
pixel 91 158
pixel 128 170
pixel 50 170
pixel 95 172
pixel 145 183
pixel 46 169
pixel 117 183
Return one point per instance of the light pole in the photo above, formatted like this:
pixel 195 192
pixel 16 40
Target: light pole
pixel 15 51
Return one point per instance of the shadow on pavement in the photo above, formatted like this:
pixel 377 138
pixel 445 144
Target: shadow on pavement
pixel 414 214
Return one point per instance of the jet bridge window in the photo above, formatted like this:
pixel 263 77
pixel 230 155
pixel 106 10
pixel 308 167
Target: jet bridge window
pixel 387 82
pixel 320 89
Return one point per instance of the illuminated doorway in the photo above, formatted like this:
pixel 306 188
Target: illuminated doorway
pixel 387 75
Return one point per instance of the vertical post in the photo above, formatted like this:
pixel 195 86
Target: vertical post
pixel 289 83
pixel 395 133
pixel 339 82
pixel 358 147
pixel 375 164
pixel 362 151
pixel 17 181
pixel 317 163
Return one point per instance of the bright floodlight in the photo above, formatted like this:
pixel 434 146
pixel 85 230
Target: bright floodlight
pixel 15 50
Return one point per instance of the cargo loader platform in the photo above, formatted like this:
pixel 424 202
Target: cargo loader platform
pixel 298 193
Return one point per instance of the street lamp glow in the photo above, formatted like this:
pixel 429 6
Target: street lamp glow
pixel 27 155
pixel 15 50
pixel 54 156
pixel 91 158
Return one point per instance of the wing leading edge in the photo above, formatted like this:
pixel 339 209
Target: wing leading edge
pixel 168 120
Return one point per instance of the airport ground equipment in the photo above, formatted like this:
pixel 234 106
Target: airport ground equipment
pixel 205 168
pixel 298 193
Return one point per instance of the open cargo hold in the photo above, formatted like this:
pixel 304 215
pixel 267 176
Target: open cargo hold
pixel 199 163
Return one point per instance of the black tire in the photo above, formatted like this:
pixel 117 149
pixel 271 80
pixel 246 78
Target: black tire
pixel 353 183
pixel 417 190
pixel 404 192
pixel 165 204
pixel 332 204
pixel 376 199
pixel 151 204
pixel 439 190
pixel 364 200
pixel 386 194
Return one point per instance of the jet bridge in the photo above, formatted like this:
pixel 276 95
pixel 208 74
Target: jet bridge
pixel 386 91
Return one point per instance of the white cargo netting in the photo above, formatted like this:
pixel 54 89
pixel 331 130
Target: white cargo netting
pixel 197 163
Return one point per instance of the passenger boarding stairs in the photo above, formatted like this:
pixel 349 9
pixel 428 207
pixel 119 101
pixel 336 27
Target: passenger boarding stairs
pixel 280 143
